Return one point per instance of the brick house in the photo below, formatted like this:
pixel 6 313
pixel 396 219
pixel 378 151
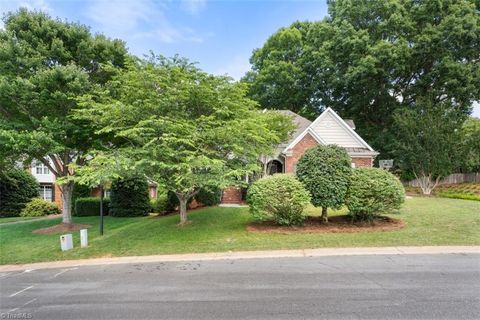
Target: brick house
pixel 328 128
pixel 50 191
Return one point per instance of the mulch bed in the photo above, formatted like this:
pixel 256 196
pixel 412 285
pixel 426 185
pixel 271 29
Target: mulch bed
pixel 336 224
pixel 62 227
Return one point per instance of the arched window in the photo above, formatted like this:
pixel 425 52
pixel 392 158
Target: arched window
pixel 274 166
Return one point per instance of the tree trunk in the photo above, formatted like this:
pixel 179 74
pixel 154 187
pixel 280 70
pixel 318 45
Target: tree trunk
pixel 183 208
pixel 324 214
pixel 426 184
pixel 67 191
pixel 183 199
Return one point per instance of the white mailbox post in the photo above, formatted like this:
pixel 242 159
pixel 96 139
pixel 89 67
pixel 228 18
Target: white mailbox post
pixel 83 238
pixel 66 242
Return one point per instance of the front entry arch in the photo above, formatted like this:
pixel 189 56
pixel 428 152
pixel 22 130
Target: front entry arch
pixel 274 166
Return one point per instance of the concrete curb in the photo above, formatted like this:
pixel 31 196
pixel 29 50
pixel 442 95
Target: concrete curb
pixel 321 252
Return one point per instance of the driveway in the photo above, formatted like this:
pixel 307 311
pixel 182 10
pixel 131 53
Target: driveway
pixel 443 286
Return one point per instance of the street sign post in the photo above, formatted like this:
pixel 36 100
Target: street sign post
pixel 385 164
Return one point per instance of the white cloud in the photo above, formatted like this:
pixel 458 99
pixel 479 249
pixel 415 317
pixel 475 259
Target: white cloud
pixel 237 68
pixel 13 5
pixel 193 6
pixel 125 19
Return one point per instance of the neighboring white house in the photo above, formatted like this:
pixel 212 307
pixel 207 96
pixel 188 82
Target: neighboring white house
pixel 46 179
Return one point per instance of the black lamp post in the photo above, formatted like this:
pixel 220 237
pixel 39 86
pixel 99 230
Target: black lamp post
pixel 101 209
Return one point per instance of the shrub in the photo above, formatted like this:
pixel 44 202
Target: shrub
pixel 279 197
pixel 373 191
pixel 209 197
pixel 458 195
pixel 79 191
pixel 17 188
pixel 129 197
pixel 159 205
pixel 325 172
pixel 90 206
pixel 39 207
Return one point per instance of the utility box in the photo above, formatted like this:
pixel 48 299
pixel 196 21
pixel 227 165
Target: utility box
pixel 83 238
pixel 66 242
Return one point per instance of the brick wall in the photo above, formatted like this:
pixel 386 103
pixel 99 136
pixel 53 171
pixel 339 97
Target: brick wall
pixel 362 162
pixel 232 195
pixel 58 195
pixel 95 192
pixel 297 152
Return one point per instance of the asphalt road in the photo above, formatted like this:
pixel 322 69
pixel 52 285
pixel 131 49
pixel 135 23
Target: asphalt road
pixel 444 286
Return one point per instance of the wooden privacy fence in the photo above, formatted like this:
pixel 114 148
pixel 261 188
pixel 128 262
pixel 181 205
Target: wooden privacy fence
pixel 452 179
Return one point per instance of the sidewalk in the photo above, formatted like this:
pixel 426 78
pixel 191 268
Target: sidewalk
pixel 321 252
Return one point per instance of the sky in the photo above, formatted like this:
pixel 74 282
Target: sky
pixel 219 35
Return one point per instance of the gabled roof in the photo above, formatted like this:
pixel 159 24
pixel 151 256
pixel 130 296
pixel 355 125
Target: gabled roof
pixel 301 123
pixel 360 147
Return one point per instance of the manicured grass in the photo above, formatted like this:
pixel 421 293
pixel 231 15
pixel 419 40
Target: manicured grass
pixel 14 219
pixel 430 221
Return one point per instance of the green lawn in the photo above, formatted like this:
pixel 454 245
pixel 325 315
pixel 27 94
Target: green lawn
pixel 430 221
pixel 15 219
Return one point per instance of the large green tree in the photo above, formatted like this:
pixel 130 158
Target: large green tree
pixel 181 127
pixel 426 141
pixel 469 146
pixel 370 58
pixel 45 64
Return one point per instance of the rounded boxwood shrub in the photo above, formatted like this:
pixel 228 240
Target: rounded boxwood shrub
pixel 325 172
pixel 17 188
pixel 209 197
pixel 129 197
pixel 39 207
pixel 372 192
pixel 281 198
pixel 90 206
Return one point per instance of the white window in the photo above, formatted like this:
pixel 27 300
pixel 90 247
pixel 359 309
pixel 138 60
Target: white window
pixel 46 192
pixel 40 168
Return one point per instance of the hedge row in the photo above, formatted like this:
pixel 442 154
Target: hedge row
pixel 129 197
pixel 90 206
pixel 17 188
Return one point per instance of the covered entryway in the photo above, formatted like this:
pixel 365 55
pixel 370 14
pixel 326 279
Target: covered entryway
pixel 274 166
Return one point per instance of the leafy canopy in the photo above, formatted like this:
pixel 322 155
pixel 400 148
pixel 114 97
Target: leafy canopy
pixel 470 145
pixel 45 64
pixel 370 58
pixel 180 126
pixel 427 139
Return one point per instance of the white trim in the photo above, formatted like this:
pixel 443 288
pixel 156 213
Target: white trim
pixel 301 136
pixel 344 124
pixel 363 154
